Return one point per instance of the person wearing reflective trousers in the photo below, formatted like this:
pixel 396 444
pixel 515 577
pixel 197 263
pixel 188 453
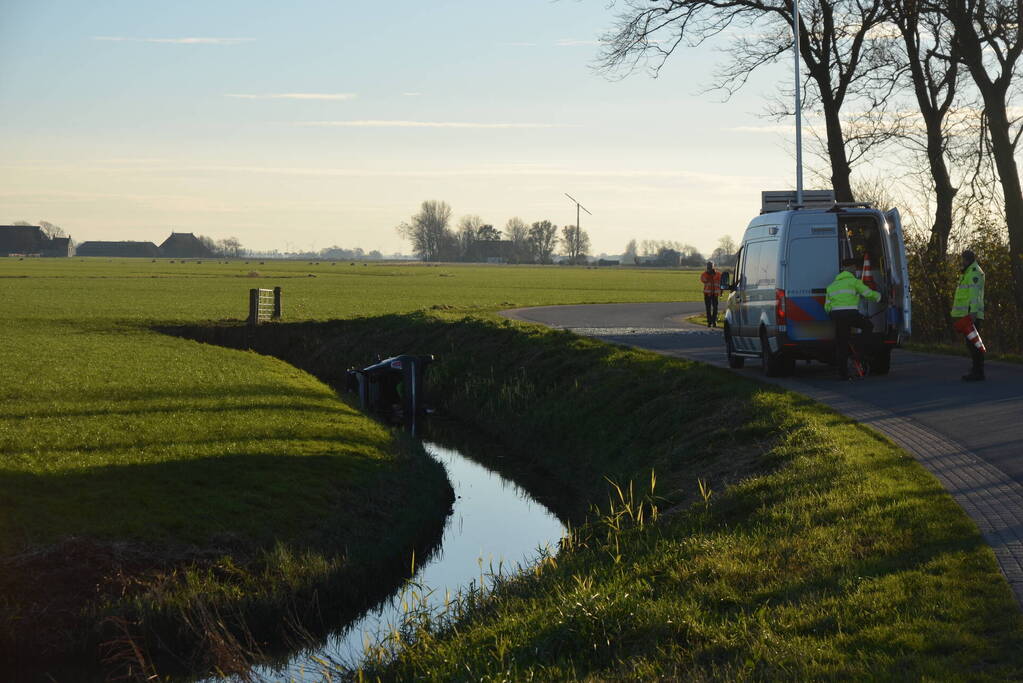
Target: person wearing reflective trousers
pixel 842 303
pixel 711 280
pixel 969 301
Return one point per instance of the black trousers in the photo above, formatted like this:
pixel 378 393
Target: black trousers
pixel 844 322
pixel 975 354
pixel 710 302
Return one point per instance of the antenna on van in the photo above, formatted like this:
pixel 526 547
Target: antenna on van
pixel 577 207
pixel 799 105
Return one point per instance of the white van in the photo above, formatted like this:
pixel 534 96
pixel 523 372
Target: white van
pixel 787 259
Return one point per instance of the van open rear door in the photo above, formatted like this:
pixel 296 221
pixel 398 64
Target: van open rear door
pixel 900 294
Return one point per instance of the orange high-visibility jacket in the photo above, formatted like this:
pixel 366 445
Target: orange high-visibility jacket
pixel 711 282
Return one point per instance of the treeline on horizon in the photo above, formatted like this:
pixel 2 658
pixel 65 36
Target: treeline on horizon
pixel 432 238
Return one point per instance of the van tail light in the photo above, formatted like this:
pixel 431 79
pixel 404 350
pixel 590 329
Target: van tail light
pixel 779 306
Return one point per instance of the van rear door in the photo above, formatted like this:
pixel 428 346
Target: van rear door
pixel 810 265
pixel 899 277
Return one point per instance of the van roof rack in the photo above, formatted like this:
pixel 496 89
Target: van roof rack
pixel 852 205
pixel 785 200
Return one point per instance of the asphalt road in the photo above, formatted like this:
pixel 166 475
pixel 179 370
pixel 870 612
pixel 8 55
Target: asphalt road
pixel 969 434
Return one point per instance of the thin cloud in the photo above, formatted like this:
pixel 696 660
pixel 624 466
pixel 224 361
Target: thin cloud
pixel 295 96
pixel 411 94
pixel 570 42
pixel 498 170
pixel 176 41
pixel 776 128
pixel 424 124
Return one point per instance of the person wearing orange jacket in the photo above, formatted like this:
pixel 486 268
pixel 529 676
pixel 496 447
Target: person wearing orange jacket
pixel 711 280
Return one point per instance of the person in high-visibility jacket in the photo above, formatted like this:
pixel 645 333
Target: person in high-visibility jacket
pixel 969 301
pixel 711 280
pixel 842 303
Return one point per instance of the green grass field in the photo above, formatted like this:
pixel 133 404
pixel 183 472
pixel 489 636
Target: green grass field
pixel 115 433
pixel 196 492
pixel 87 384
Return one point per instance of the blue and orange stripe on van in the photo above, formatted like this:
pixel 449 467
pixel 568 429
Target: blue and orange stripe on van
pixel 807 320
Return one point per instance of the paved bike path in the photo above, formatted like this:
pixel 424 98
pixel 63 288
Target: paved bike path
pixel 970 435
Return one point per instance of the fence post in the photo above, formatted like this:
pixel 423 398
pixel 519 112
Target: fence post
pixel 253 307
pixel 277 303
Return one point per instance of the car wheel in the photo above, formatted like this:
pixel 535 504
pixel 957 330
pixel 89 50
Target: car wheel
pixel 772 364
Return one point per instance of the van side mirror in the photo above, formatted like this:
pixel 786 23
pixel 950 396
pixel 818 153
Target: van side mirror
pixel 726 280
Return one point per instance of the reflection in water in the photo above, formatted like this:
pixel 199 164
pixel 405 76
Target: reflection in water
pixel 493 521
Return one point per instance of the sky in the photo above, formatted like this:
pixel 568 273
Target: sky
pixel 307 124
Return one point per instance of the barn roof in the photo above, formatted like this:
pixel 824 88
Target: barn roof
pixel 21 239
pixel 120 249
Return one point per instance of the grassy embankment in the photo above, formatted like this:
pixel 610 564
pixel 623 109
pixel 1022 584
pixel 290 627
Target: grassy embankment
pixel 790 543
pixel 156 489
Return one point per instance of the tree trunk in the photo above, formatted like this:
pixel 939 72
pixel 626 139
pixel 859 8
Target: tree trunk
pixel 944 191
pixel 841 172
pixel 1008 175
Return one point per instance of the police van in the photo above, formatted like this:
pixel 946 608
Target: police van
pixel 788 257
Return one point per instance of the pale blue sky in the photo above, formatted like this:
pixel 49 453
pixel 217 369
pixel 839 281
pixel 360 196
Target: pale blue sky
pixel 315 123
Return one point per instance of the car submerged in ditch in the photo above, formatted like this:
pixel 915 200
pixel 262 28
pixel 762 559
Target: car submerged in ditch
pixel 788 256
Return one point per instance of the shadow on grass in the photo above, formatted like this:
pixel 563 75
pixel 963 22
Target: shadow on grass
pixel 264 551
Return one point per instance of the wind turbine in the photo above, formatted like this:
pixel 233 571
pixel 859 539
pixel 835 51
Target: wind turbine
pixel 577 207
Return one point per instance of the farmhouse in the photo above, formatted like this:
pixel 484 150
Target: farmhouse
pixel 184 245
pixel 120 249
pixel 31 240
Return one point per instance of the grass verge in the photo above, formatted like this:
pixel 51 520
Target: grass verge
pixel 790 543
pixel 958 350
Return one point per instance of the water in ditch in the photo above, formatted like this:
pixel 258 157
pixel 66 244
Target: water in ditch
pixel 494 523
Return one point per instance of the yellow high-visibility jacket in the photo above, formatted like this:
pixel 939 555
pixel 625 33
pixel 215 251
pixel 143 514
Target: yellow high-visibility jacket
pixel 844 293
pixel 969 296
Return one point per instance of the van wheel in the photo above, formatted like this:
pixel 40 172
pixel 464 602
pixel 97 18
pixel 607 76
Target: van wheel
pixel 733 360
pixel 773 364
pixel 881 362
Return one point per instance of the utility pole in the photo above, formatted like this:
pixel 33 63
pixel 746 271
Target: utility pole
pixel 799 105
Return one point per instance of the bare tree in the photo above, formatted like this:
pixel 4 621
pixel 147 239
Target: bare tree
pixel 629 257
pixel 468 234
pixel 576 243
pixel 543 236
pixel 926 57
pixel 989 37
pixel 51 230
pixel 488 233
pixel 518 233
pixel 724 254
pixel 230 247
pixel 834 40
pixel 428 231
